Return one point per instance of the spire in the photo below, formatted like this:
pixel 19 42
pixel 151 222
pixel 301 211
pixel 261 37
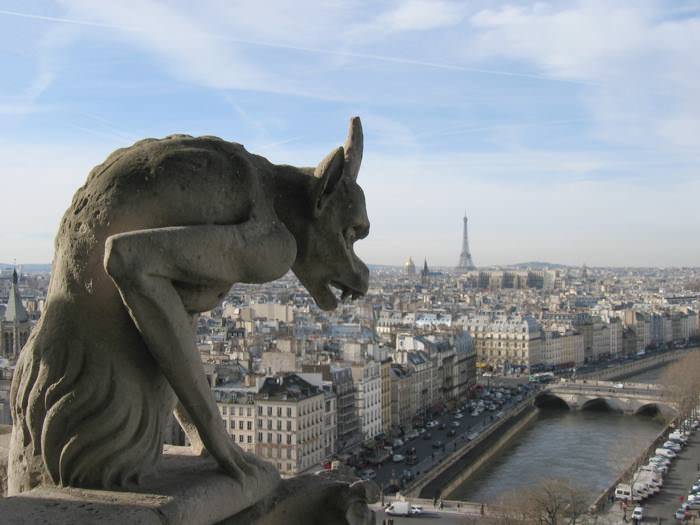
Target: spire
pixel 15 311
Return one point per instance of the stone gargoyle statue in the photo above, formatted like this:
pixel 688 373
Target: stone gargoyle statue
pixel 158 234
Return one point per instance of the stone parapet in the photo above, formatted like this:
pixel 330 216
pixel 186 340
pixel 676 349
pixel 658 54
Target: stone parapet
pixel 192 490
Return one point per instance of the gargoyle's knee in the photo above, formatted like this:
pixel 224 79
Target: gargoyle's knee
pixel 117 262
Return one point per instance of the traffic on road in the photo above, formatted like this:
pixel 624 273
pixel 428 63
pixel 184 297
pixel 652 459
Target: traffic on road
pixel 418 449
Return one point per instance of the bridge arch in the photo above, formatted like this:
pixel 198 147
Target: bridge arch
pixel 655 409
pixel 602 403
pixel 649 409
pixel 548 400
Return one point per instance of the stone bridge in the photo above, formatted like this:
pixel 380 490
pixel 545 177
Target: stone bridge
pixel 630 398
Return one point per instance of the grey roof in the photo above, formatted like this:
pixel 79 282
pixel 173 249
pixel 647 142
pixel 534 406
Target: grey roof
pixel 15 311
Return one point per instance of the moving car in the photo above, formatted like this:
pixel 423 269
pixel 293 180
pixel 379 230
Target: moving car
pixel 398 508
pixel 398 458
pixel 638 513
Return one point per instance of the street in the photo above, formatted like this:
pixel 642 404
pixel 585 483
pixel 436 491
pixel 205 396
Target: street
pixel 683 472
pixel 429 456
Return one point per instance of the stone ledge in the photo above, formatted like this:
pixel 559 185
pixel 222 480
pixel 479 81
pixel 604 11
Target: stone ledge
pixel 187 490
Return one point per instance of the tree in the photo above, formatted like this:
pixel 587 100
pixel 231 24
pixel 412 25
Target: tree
pixel 681 384
pixel 550 502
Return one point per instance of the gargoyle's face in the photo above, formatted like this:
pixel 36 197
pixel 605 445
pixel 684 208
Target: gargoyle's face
pixel 325 255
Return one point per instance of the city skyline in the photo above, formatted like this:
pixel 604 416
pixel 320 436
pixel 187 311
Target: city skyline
pixel 579 152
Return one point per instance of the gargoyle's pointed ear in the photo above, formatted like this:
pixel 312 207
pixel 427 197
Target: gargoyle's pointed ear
pixel 328 174
pixel 354 145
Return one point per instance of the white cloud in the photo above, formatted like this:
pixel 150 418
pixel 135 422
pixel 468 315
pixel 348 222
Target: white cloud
pixel 421 15
pixel 642 65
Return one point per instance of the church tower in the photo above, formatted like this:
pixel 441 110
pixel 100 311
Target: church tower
pixel 15 323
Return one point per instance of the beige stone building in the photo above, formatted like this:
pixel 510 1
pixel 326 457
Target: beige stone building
pixel 284 419
pixel 503 342
pixel 403 397
pixel 290 421
pixel 562 349
pixel 237 408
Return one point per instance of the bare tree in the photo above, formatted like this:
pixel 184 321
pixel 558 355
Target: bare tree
pixel 681 384
pixel 550 502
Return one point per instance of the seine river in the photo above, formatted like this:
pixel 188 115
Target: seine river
pixel 590 449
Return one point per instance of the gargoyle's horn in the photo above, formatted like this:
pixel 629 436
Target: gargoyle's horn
pixel 353 149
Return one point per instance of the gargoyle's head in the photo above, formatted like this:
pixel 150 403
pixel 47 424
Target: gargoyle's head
pixel 325 255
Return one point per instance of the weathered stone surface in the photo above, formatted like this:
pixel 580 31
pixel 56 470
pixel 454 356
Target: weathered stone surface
pixel 191 490
pixel 313 500
pixel 4 450
pixel 159 233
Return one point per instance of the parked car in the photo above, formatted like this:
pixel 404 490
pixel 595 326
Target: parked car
pixel 681 514
pixel 452 432
pixel 398 458
pixel 438 444
pixel 427 436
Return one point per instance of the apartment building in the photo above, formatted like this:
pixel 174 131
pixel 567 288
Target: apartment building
pixel 290 423
pixel 368 397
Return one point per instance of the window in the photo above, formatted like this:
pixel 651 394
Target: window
pixel 269 437
pixel 248 412
pixel 260 410
pixel 240 425
pixel 260 437
pixel 279 411
pixel 249 425
pixel 279 438
pixel 260 423
pixel 289 411
pixel 289 425
pixel 224 410
pixel 279 424
pixel 269 411
pixel 240 411
pixel 249 439
pixel 232 424
pixel 269 424
pixel 289 439
pixel 240 438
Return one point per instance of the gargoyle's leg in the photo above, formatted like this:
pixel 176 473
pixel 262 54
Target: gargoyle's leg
pixel 144 265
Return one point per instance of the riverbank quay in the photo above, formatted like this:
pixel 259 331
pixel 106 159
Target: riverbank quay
pixel 605 499
pixel 681 475
pixel 464 461
pixel 637 366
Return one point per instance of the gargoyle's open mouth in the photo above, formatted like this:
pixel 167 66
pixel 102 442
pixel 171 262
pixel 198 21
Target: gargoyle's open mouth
pixel 347 291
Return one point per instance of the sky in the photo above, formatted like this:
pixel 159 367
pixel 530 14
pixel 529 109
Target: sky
pixel 569 132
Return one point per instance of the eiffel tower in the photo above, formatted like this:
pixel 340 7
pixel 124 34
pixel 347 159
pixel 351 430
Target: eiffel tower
pixel 465 258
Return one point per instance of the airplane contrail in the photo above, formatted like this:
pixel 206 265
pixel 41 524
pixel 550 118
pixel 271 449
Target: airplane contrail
pixel 320 51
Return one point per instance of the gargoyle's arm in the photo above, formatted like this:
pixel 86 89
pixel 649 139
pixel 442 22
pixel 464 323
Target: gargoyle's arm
pixel 148 266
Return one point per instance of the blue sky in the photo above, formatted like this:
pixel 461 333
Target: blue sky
pixel 569 131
